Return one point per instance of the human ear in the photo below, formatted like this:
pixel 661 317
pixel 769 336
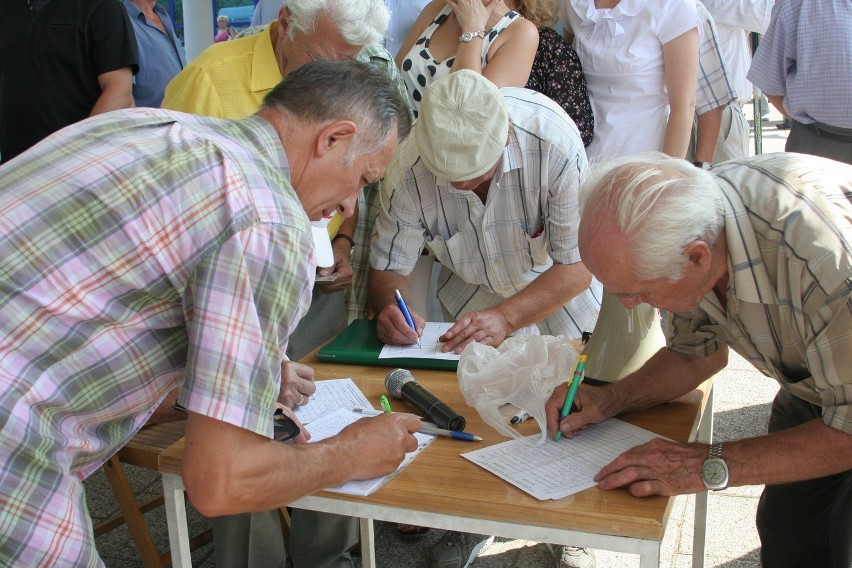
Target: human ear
pixel 334 134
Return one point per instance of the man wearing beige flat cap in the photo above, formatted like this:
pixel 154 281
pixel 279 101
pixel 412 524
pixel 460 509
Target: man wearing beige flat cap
pixel 489 182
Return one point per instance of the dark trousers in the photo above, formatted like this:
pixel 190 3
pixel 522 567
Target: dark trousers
pixel 821 140
pixel 808 523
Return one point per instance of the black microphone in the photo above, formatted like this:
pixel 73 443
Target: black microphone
pixel 401 384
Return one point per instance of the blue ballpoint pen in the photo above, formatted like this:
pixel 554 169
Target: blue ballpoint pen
pixel 404 309
pixel 450 434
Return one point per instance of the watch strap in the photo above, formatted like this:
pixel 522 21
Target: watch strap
pixel 715 450
pixel 344 237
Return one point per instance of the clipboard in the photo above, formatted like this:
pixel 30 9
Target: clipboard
pixel 358 345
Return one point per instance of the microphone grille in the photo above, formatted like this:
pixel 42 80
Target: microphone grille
pixel 395 379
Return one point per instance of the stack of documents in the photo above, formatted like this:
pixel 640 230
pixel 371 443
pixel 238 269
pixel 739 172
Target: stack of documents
pixel 329 410
pixel 554 470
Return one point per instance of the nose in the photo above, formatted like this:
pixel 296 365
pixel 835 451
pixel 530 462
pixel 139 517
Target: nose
pixel 347 206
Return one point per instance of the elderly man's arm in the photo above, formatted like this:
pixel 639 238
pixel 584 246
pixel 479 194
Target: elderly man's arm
pixel 116 91
pixel 543 296
pixel 391 326
pixel 229 470
pixel 660 467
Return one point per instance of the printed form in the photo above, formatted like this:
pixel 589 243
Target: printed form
pixel 329 396
pixel 554 470
pixel 430 347
pixel 332 423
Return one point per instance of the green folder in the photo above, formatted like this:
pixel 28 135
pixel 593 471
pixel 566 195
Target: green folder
pixel 358 345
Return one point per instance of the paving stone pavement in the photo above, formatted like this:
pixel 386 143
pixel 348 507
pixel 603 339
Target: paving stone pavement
pixel 742 398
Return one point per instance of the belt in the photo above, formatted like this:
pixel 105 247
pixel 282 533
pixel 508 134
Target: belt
pixel 830 132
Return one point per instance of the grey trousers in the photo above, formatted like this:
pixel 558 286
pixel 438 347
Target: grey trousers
pixel 821 140
pixel 807 523
pixel 253 540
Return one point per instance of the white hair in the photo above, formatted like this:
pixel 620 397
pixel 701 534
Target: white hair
pixel 659 203
pixel 360 22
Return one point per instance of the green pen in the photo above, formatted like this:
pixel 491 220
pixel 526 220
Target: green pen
pixel 572 391
pixel 385 404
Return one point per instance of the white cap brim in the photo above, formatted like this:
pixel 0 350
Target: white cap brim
pixel 322 245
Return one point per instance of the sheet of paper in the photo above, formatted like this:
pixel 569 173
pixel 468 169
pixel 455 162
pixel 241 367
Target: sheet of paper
pixel 554 470
pixel 430 347
pixel 329 396
pixel 332 423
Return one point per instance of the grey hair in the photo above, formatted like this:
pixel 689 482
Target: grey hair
pixel 360 22
pixel 349 90
pixel 659 203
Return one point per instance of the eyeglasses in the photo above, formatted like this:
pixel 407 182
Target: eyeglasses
pixel 284 428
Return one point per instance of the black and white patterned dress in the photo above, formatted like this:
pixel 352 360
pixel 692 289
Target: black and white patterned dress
pixel 419 68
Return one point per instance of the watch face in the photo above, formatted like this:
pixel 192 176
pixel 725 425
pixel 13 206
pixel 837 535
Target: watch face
pixel 467 36
pixel 714 472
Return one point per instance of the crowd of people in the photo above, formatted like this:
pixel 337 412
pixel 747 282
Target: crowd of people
pixel 541 150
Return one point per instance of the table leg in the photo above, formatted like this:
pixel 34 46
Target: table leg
pixel 173 494
pixel 705 435
pixel 368 543
pixel 649 554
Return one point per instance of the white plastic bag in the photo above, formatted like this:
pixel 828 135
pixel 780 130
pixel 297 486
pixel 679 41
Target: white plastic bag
pixel 523 371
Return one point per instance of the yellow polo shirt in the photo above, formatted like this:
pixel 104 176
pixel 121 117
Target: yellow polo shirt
pixel 227 80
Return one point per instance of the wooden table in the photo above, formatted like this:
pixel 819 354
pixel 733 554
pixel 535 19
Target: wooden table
pixel 442 490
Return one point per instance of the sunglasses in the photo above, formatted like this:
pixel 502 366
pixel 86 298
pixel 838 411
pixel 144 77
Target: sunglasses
pixel 284 428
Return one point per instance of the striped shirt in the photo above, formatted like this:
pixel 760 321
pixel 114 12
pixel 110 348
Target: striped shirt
pixel 142 250
pixel 806 55
pixel 788 223
pixel 490 252
pixel 714 86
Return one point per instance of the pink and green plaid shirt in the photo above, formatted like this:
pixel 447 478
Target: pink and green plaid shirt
pixel 141 250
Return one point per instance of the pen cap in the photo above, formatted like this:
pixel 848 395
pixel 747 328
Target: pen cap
pixel 400 384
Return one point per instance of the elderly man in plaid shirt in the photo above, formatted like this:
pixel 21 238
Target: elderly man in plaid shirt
pixel 147 249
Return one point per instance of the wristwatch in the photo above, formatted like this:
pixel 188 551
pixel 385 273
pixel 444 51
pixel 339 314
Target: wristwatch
pixel 468 36
pixel 702 165
pixel 714 471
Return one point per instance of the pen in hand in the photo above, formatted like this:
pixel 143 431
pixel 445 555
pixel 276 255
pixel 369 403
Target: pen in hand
pixel 404 309
pixel 426 428
pixel 572 392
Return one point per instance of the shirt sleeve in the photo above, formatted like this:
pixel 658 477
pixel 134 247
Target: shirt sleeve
pixel 113 40
pixel 241 305
pixel 398 234
pixel 714 88
pixel 775 55
pixel 193 91
pixel 748 15
pixel 677 17
pixel 567 169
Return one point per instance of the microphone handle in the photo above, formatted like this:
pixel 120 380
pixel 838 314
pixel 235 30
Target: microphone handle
pixel 438 412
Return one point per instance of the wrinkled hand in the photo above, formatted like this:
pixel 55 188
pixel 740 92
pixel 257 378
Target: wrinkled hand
pixel 487 327
pixel 658 467
pixel 342 267
pixel 592 404
pixel 472 15
pixel 392 329
pixel 297 384
pixel 377 445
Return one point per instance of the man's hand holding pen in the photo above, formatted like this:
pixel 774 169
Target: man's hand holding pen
pixel 592 404
pixel 377 446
